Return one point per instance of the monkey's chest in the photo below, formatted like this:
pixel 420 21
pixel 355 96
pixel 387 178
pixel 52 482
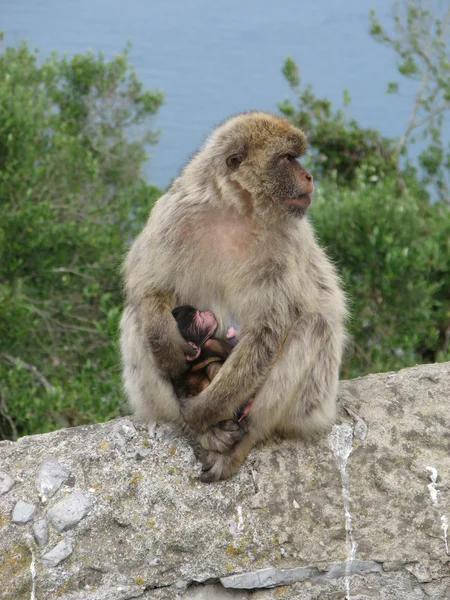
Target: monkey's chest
pixel 218 253
pixel 228 242
pixel 216 268
pixel 215 281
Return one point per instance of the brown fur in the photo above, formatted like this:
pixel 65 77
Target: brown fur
pixel 229 236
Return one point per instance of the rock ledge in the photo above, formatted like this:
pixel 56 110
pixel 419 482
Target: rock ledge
pixel 113 514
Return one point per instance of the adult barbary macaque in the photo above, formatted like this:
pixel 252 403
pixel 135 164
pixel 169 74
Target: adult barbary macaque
pixel 230 237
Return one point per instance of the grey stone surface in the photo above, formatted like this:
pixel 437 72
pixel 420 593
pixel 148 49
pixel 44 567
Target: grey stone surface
pixel 267 578
pixel 40 532
pixel 361 517
pixel 6 482
pixel 23 512
pixel 69 511
pixel 59 553
pixel 49 478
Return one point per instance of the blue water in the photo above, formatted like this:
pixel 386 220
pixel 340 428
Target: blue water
pixel 212 59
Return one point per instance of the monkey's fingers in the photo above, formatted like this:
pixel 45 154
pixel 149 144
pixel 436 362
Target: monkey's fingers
pixel 195 351
pixel 216 466
pixel 210 472
pixel 191 350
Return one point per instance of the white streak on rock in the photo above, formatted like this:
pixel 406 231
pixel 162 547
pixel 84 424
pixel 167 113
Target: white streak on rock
pixel 434 494
pixel 33 575
pixel 237 525
pixel 444 521
pixel 340 441
pixel 432 486
pixel 240 524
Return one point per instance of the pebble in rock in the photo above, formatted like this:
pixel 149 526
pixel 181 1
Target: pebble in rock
pixel 40 532
pixel 49 477
pixel 6 482
pixel 69 511
pixel 23 512
pixel 60 552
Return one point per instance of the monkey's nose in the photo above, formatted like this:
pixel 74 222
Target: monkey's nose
pixel 308 176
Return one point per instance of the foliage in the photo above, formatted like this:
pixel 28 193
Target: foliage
pixel 393 254
pixel 338 143
pixel 71 196
pixel 421 41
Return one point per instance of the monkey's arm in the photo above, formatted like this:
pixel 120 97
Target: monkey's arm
pixel 238 379
pixel 162 335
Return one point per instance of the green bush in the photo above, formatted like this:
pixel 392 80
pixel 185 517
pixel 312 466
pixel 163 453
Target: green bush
pixel 72 195
pixel 393 254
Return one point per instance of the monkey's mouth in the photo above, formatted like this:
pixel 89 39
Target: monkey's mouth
pixel 304 200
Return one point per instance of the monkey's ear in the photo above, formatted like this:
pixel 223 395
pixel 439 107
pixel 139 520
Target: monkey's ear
pixel 235 159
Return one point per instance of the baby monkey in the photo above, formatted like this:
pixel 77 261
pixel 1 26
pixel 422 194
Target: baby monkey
pixel 198 328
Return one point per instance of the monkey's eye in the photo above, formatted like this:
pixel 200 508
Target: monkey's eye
pixel 235 159
pixel 291 156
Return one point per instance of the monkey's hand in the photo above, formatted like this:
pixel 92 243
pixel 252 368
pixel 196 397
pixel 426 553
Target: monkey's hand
pixel 172 354
pixel 224 436
pixel 167 345
pixel 195 413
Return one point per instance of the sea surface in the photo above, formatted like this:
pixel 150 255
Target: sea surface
pixel 213 59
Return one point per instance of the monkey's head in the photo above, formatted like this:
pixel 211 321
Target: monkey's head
pixel 196 326
pixel 259 154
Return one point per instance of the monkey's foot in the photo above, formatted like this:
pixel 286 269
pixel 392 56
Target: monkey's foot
pixel 216 466
pixel 222 437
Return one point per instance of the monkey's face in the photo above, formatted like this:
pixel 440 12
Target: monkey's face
pixel 289 185
pixel 203 326
pixel 265 165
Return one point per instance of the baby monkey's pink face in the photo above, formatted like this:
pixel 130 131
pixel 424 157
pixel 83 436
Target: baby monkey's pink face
pixel 196 326
pixel 205 323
